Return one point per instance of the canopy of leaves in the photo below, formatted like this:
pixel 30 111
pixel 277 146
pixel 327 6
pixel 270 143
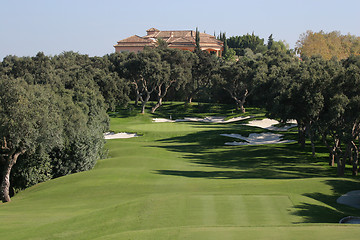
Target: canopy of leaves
pixel 240 43
pixel 52 109
pixel 328 45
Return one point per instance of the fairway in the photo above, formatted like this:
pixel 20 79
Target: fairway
pixel 179 181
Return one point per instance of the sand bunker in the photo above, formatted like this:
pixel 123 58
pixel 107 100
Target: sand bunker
pixel 256 139
pixel 205 120
pixel 351 199
pixel 112 135
pixel 269 124
pixel 162 120
pixel 350 220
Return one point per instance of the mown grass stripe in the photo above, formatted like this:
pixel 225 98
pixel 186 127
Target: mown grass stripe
pixel 209 210
pixel 240 212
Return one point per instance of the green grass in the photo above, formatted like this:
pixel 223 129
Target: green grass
pixel 179 181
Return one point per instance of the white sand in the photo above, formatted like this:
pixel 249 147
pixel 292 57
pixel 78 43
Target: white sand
pixel 162 120
pixel 269 124
pixel 206 119
pixel 256 139
pixel 351 199
pixel 111 135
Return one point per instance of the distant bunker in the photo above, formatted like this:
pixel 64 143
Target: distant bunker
pixel 351 199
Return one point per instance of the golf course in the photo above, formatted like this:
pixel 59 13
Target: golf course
pixel 178 180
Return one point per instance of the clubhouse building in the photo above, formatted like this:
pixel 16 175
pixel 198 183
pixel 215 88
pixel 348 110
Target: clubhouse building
pixel 184 40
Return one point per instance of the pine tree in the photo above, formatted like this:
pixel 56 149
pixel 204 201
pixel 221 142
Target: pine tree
pixel 226 48
pixel 197 40
pixel 270 41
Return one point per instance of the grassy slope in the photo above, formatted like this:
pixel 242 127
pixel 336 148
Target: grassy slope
pixel 178 181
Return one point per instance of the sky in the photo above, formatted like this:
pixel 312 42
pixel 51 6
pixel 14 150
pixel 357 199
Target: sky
pixel 93 26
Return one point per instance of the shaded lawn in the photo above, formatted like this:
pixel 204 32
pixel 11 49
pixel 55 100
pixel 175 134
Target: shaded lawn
pixel 275 161
pixel 178 110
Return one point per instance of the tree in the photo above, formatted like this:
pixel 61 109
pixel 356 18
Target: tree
pixel 113 88
pixel 307 93
pixel 180 64
pixel 342 117
pixel 28 121
pixel 240 79
pixel 270 41
pixel 274 92
pixel 204 66
pixel 240 43
pixel 59 95
pixel 197 40
pixel 327 45
pixel 146 72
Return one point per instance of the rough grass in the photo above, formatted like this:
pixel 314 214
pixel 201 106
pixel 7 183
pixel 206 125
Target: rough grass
pixel 179 181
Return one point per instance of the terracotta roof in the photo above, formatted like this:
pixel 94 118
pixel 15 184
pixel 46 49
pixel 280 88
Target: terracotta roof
pixel 188 41
pixel 207 38
pixel 173 38
pixel 134 41
pixel 153 30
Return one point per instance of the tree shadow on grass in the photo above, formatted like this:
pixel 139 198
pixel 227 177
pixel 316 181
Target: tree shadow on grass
pixel 181 110
pixel 276 161
pixel 332 211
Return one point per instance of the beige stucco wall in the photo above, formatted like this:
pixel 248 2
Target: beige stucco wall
pixel 138 49
pixel 128 49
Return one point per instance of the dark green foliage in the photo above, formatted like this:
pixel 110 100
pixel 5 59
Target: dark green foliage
pixel 31 169
pixel 270 41
pixel 240 43
pixel 53 114
pixel 203 67
pixel 240 79
pixel 322 96
pixel 248 45
pixel 197 40
pixel 153 71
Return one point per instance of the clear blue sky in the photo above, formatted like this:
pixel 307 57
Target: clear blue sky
pixel 94 26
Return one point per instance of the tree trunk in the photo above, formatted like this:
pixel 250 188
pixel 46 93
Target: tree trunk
pixel 312 146
pixel 161 94
pixel 355 166
pixel 355 162
pixel 340 160
pixel 190 98
pixel 311 136
pixel 242 108
pixel 138 94
pixel 349 151
pixel 158 104
pixel 331 159
pixel 240 105
pixel 143 102
pixel 243 101
pixel 331 151
pixel 301 132
pixel 5 181
pixel 137 100
pixel 237 106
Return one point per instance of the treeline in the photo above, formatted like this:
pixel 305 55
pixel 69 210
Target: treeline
pixel 323 96
pixel 53 116
pixel 53 109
